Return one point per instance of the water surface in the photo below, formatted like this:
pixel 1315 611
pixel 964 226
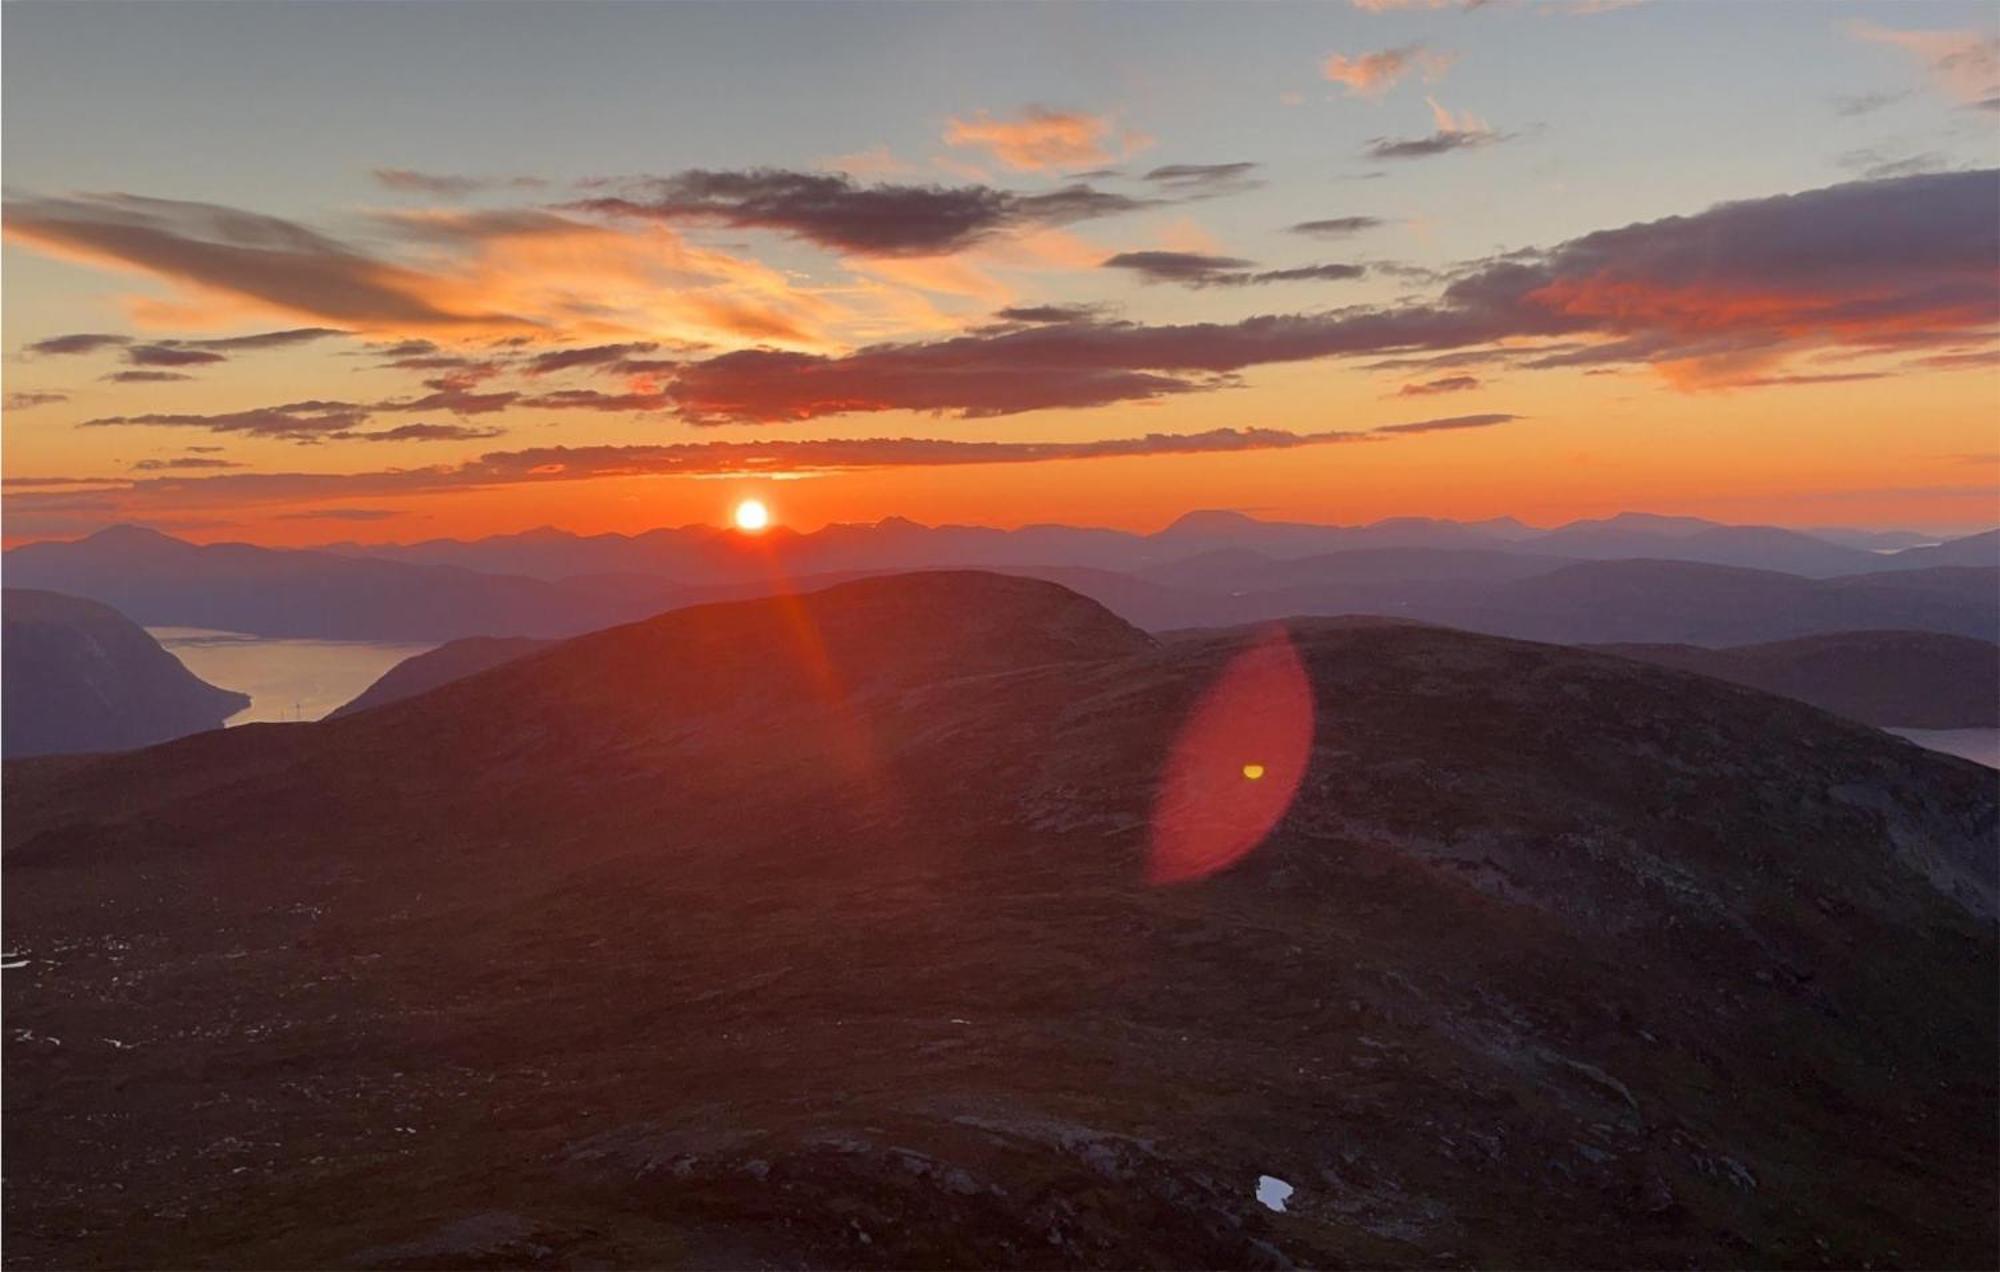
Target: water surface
pixel 286 679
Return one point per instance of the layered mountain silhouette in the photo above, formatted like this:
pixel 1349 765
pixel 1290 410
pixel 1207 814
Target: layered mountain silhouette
pixel 818 931
pixel 161 581
pixel 1660 580
pixel 79 676
pixel 1912 680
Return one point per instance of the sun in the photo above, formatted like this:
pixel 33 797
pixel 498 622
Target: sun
pixel 751 516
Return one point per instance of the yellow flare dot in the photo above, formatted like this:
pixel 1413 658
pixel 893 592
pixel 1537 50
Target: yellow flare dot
pixel 1253 771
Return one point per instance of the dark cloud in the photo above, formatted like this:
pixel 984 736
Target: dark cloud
pixel 1448 424
pixel 161 355
pixel 261 340
pixel 1193 269
pixel 588 356
pixel 266 258
pixel 144 377
pixel 82 342
pixel 1045 313
pixel 1441 142
pixel 29 401
pixel 1446 384
pixel 835 211
pixel 1904 263
pixel 592 400
pixel 1204 180
pixel 183 462
pixel 1337 226
pixel 405 349
pixel 453 396
pixel 428 433
pixel 293 422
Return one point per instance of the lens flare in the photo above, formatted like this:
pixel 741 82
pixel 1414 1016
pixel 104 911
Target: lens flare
pixel 1214 805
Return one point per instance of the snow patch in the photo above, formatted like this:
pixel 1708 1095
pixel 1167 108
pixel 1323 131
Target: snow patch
pixel 1272 1192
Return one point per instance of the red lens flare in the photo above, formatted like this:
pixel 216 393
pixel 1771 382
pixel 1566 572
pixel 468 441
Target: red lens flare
pixel 1236 764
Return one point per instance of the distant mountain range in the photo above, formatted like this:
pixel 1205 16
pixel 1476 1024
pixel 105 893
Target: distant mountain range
pixel 827 931
pixel 161 581
pixel 698 555
pixel 1631 578
pixel 77 676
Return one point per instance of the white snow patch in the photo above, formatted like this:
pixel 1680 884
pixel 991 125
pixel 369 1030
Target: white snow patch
pixel 1272 1192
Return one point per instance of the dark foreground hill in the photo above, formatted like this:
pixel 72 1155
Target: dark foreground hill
pixel 819 932
pixel 1911 680
pixel 79 676
pixel 453 660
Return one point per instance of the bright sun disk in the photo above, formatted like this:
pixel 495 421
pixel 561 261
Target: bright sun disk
pixel 752 515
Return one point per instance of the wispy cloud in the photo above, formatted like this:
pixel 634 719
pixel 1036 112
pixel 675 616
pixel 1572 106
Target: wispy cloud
pixel 1463 131
pixel 1962 64
pixel 1444 384
pixel 1373 74
pixel 1040 139
pixel 27 401
pixel 1194 269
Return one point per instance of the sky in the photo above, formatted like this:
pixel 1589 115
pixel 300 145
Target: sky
pixel 300 273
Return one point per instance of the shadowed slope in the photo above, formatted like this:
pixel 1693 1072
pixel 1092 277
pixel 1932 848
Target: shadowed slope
pixel 815 932
pixel 1912 680
pixel 80 676
pixel 453 660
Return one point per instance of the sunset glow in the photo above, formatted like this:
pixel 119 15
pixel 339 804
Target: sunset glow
pixel 1374 262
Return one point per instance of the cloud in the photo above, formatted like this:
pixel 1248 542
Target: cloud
pixel 1041 139
pixel 183 463
pixel 144 377
pixel 1872 164
pixel 81 342
pixel 1194 269
pixel 1450 423
pixel 836 212
pixel 342 514
pixel 162 355
pixel 29 401
pixel 1453 132
pixel 1046 313
pixel 1337 226
pixel 1373 74
pixel 262 339
pixel 428 433
pixel 1854 104
pixel 592 400
pixel 1204 180
pixel 444 185
pixel 1445 384
pixel 309 421
pixel 588 356
pixel 279 263
pixel 1706 299
pixel 1962 64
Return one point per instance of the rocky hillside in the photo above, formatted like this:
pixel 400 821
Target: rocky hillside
pixel 453 660
pixel 818 932
pixel 79 676
pixel 1910 680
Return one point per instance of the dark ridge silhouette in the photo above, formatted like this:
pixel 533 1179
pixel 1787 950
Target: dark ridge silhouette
pixel 815 931
pixel 1909 680
pixel 162 581
pixel 79 676
pixel 453 660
